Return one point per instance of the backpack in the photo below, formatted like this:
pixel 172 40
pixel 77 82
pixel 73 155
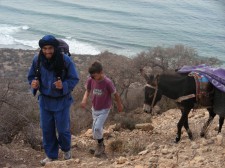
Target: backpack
pixel 63 48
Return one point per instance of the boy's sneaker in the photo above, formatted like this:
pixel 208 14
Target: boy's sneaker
pixel 46 160
pixel 67 155
pixel 100 149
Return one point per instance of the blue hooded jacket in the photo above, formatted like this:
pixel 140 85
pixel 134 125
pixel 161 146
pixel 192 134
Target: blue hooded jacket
pixel 50 98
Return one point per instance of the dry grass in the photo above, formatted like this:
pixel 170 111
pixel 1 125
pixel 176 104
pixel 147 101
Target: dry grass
pixel 130 146
pixel 116 145
pixel 134 146
pixel 125 122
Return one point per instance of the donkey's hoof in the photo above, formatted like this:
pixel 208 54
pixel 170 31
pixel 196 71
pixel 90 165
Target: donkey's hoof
pixel 191 138
pixel 202 134
pixel 176 140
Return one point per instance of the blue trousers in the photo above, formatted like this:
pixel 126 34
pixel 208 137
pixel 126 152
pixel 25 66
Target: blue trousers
pixel 50 121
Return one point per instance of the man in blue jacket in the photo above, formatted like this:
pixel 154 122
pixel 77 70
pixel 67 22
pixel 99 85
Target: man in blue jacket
pixel 56 78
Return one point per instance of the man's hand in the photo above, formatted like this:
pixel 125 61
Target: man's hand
pixel 35 84
pixel 58 84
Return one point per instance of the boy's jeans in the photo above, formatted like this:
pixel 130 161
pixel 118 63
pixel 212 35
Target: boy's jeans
pixel 99 118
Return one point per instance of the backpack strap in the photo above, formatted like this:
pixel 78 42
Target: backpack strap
pixel 37 70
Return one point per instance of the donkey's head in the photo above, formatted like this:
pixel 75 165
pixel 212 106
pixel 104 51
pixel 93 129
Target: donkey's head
pixel 152 92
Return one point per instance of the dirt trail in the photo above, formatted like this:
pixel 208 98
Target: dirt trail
pixel 139 149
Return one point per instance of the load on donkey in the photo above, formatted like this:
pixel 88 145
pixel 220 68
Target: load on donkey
pixel 191 87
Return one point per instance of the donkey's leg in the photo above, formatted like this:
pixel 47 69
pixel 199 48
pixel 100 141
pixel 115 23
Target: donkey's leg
pixel 186 126
pixel 180 125
pixel 208 122
pixel 221 121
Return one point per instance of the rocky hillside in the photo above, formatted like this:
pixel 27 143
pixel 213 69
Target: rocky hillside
pixel 148 145
pixel 133 138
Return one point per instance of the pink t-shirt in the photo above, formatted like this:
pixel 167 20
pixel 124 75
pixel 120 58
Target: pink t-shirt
pixel 101 92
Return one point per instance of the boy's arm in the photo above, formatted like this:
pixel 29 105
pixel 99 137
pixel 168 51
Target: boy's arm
pixel 85 98
pixel 118 102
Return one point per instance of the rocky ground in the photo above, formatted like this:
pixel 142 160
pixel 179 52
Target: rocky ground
pixel 148 145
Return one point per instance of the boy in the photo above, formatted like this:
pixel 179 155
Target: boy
pixel 101 88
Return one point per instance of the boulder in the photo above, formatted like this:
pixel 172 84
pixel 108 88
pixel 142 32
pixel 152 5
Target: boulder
pixel 144 126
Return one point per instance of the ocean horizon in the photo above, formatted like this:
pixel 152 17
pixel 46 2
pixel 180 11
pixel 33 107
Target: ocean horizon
pixel 125 27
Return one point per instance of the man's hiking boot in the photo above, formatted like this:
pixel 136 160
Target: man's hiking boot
pixel 100 149
pixel 67 155
pixel 46 160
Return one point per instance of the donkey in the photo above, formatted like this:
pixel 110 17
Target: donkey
pixel 181 88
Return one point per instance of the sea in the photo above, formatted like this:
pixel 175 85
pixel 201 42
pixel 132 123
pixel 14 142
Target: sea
pixel 125 27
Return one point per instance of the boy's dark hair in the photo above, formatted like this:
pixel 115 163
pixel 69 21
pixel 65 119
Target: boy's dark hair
pixel 96 67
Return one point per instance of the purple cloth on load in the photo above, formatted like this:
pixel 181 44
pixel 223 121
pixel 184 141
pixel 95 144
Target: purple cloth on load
pixel 216 76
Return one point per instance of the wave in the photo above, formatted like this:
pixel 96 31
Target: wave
pixel 6 32
pixel 7 29
pixel 72 18
pixel 95 8
pixel 8 40
pixel 81 48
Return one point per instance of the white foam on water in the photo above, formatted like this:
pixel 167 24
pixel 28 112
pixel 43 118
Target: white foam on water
pixel 9 29
pixel 80 47
pixel 75 46
pixel 7 32
pixel 8 40
pixel 30 44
